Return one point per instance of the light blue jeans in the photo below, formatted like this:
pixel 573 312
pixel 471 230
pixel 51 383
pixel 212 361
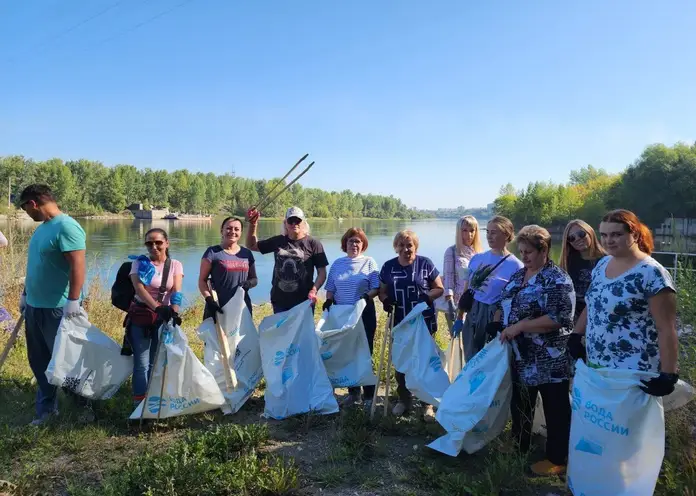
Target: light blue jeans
pixel 144 349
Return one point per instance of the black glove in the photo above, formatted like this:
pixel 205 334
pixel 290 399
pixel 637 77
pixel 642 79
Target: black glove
pixel 327 304
pixel 366 297
pixel 576 348
pixel 176 319
pixel 661 385
pixel 165 313
pixel 493 328
pixel 246 285
pixel 388 304
pixel 212 305
pixel 424 298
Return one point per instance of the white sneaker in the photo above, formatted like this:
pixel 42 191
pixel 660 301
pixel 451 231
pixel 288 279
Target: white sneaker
pixel 400 409
pixel 429 414
pixel 350 400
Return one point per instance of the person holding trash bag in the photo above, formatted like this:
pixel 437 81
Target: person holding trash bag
pixel 52 290
pixel 630 318
pixel 467 243
pixel 537 308
pixel 296 254
pixel 580 252
pixel 351 278
pixel 489 272
pixel 406 281
pixel 229 266
pixel 157 280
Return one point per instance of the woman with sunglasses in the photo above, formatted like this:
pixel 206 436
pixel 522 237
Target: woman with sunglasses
pixel 229 266
pixel 297 255
pixel 580 252
pixel 151 307
pixel 351 278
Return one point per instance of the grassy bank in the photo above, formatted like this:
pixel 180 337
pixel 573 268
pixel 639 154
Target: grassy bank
pixel 242 454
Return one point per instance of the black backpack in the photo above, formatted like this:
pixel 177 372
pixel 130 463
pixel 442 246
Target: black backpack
pixel 123 292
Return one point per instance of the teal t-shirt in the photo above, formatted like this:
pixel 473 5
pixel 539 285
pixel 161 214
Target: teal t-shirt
pixel 48 272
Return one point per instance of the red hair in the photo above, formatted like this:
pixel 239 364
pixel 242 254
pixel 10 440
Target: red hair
pixel 634 226
pixel 353 232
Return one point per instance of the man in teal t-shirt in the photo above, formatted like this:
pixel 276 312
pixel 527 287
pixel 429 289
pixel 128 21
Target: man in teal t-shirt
pixel 53 285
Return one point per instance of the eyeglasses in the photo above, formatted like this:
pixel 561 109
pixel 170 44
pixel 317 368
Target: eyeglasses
pixel 150 244
pixel 355 241
pixel 574 237
pixel 293 221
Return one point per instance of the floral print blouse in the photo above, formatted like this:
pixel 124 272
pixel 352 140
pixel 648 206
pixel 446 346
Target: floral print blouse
pixel 540 358
pixel 621 332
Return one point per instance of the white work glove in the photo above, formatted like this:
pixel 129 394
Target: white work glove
pixel 71 309
pixel 22 303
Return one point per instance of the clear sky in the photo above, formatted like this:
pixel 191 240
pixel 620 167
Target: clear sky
pixel 436 102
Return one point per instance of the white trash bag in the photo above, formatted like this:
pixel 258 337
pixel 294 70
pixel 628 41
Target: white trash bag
pixel 188 386
pixel 296 380
pixel 539 423
pixel 86 361
pixel 344 347
pixel 617 434
pixel 243 339
pixel 415 354
pixel 683 393
pixel 476 407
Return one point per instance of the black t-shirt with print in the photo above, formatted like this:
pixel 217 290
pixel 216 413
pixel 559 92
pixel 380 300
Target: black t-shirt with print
pixel 580 272
pixel 293 272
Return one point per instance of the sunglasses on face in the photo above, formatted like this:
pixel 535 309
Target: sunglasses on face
pixel 293 221
pixel 157 243
pixel 572 238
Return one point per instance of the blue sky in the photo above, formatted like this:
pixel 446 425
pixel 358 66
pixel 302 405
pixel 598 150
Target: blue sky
pixel 438 103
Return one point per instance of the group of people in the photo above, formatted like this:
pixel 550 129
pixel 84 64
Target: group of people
pixel 613 295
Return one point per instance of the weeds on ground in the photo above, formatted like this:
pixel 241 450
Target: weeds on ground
pixel 222 460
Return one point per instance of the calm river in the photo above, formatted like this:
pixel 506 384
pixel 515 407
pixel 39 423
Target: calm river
pixel 109 242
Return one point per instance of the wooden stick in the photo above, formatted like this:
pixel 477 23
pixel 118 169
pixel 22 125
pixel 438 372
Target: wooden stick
pixel 450 361
pixel 224 346
pixel 149 382
pixel 389 363
pixel 461 348
pixel 379 369
pixel 268 202
pixel 279 182
pixel 11 342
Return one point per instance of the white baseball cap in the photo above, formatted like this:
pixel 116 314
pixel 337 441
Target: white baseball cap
pixel 295 212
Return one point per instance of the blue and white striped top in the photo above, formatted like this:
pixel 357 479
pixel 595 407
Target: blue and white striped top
pixel 350 278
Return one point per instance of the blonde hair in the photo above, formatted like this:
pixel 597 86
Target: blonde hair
pixel 469 221
pixel 596 250
pixel 535 236
pixel 505 225
pixel 404 235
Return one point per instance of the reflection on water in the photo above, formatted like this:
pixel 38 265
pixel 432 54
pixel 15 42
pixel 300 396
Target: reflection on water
pixel 109 242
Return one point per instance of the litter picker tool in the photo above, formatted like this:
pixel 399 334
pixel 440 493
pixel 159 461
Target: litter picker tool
pixel 261 202
pixel 12 340
pixel 267 200
pixel 389 363
pixel 224 346
pixel 386 338
pixel 149 382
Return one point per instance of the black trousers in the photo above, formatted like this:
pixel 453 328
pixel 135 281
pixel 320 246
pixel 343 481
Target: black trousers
pixel 369 318
pixel 557 412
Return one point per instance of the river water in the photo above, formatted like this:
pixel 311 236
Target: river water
pixel 109 242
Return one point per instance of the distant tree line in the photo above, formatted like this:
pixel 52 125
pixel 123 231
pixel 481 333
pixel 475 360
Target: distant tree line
pixel 455 213
pixel 661 183
pixel 85 187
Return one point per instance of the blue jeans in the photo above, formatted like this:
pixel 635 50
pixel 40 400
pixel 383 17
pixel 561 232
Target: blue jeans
pixel 144 349
pixel 41 326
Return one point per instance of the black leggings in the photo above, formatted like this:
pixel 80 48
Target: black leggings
pixel 557 412
pixel 369 318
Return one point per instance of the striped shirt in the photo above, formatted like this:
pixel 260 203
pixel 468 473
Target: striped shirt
pixel 350 278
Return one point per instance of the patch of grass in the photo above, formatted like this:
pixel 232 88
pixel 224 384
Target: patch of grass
pixel 222 460
pixel 357 439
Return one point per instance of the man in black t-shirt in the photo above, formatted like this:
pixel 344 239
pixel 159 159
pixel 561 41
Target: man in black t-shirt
pixel 296 254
